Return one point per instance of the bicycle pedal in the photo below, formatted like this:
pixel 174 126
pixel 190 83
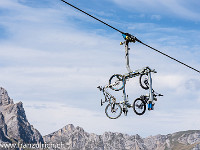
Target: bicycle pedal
pixel 150 108
pixel 101 103
pixel 126 112
pixel 129 105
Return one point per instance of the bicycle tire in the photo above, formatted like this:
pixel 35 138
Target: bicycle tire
pixel 118 81
pixel 109 111
pixel 139 104
pixel 144 84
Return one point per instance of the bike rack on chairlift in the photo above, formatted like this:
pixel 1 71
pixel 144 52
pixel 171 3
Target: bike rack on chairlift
pixel 122 78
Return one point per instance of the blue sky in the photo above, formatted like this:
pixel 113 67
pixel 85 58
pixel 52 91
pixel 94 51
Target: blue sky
pixel 53 58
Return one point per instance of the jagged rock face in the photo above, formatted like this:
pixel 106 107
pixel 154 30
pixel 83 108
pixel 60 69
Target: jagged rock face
pixel 122 141
pixel 158 142
pixel 197 147
pixel 77 139
pixel 3 129
pixel 4 98
pixel 189 137
pixel 185 140
pixel 16 127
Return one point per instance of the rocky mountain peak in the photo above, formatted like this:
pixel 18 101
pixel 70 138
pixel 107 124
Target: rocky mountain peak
pixel 3 129
pixel 69 127
pixel 4 98
pixel 188 137
pixel 14 123
pixel 76 138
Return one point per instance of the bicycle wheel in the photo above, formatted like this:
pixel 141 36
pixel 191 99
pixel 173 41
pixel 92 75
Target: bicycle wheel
pixel 144 81
pixel 113 110
pixel 116 82
pixel 139 106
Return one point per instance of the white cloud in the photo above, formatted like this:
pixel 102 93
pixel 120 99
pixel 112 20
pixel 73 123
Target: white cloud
pixel 10 4
pixel 179 8
pixel 156 17
pixel 170 81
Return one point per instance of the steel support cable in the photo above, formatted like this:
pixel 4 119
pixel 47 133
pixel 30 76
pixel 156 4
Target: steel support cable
pixel 168 56
pixel 92 16
pixel 131 36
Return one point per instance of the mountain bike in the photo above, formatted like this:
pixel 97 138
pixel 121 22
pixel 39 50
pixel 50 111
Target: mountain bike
pixel 113 110
pixel 139 105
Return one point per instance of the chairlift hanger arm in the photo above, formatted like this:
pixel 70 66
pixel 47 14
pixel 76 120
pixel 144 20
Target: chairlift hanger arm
pixel 130 37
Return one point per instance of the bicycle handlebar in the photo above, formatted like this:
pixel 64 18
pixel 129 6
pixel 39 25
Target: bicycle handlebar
pixel 100 88
pixel 156 94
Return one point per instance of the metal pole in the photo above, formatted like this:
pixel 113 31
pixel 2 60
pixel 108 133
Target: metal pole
pixel 125 101
pixel 150 87
pixel 124 94
pixel 127 56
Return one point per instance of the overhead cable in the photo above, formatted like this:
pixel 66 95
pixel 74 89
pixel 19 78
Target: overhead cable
pixel 92 16
pixel 167 56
